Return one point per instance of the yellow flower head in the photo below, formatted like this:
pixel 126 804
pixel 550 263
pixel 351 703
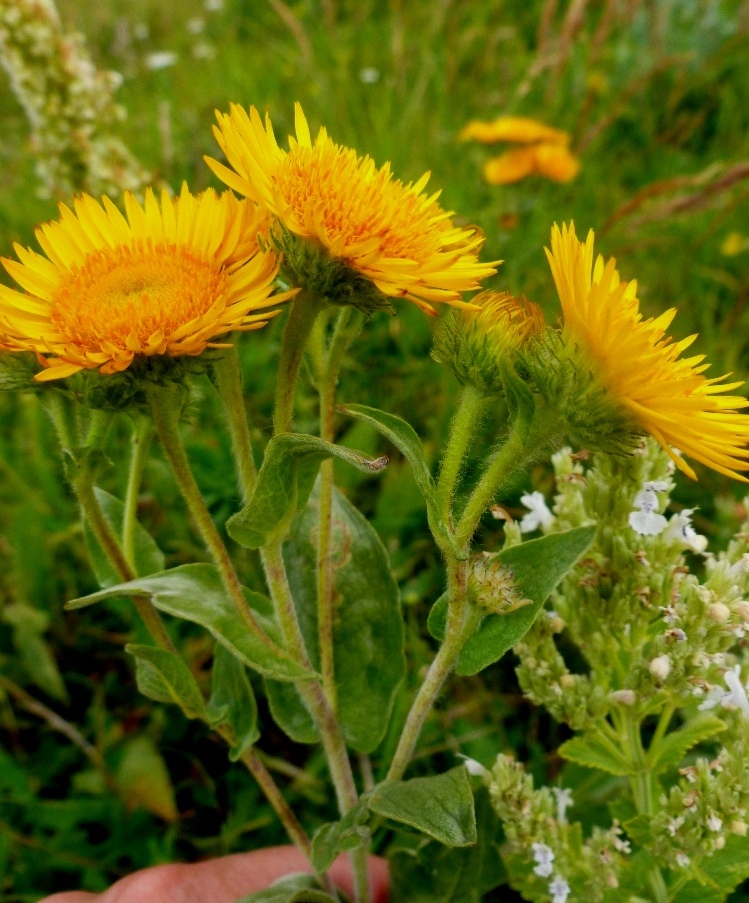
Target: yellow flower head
pixel 394 235
pixel 553 161
pixel 514 129
pixel 640 367
pixel 476 344
pixel 167 279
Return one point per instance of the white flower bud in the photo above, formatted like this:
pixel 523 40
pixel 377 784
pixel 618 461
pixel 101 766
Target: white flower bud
pixel 567 681
pixel 743 609
pixel 660 667
pixel 719 612
pixel 625 697
pixel 738 827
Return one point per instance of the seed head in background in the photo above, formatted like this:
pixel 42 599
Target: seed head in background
pixel 167 279
pixel 368 224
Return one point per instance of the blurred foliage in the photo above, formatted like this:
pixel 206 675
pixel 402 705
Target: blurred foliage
pixel 95 781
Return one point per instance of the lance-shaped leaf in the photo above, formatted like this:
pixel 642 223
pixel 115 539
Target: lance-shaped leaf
pixel 537 567
pixel 671 750
pixel 284 484
pixel 440 806
pixel 289 711
pixel 195 593
pixel 163 676
pixel 232 702
pixel 404 438
pixel 148 557
pixel 368 636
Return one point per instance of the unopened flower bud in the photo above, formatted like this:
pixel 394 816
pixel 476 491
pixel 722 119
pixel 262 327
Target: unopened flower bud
pixel 738 827
pixel 720 842
pixel 567 681
pixel 743 609
pixel 492 586
pixel 624 697
pixel 473 344
pixel 719 612
pixel 660 667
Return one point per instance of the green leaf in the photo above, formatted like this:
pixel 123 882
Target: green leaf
pixel 726 869
pixel 339 836
pixel 537 566
pixel 163 676
pixel 232 702
pixel 671 750
pixel 195 592
pixel 39 662
pixel 440 806
pixel 284 484
pixel 404 438
pixel 144 781
pixel 368 635
pixel 289 712
pixel 291 889
pixel 432 873
pixel 595 750
pixel 148 556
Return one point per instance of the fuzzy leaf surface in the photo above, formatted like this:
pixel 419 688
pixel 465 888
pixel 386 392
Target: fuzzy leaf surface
pixel 537 567
pixel 291 889
pixel 335 837
pixel 163 676
pixel 232 701
pixel 148 556
pixel 405 439
pixel 289 711
pixel 368 633
pixel 284 484
pixel 440 806
pixel 195 593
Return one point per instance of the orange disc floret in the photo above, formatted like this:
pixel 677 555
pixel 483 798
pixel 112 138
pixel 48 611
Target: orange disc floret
pixel 393 234
pixel 640 367
pixel 167 278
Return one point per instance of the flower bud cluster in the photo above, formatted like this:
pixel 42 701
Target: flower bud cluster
pixel 547 853
pixel 707 806
pixel 68 103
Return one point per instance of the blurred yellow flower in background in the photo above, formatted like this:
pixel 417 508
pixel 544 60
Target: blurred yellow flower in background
pixel 545 151
pixel 640 367
pixel 395 235
pixel 166 280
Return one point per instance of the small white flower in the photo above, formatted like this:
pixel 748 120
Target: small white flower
pixel 544 858
pixel 162 59
pixel 369 75
pixel 680 530
pixel 559 890
pixel 735 697
pixel 622 846
pixel 213 6
pixel 564 801
pixel 646 521
pixel 674 825
pixel 714 823
pixel 538 512
pixel 196 25
pixel 682 860
pixel 625 697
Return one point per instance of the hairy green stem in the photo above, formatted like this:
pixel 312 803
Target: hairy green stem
pixel 461 621
pixel 141 440
pixel 523 445
pixel 315 699
pixel 471 408
pixel 165 407
pixel 303 311
pixel 327 381
pixel 229 382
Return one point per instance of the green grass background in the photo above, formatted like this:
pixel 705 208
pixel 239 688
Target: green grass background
pixel 650 91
